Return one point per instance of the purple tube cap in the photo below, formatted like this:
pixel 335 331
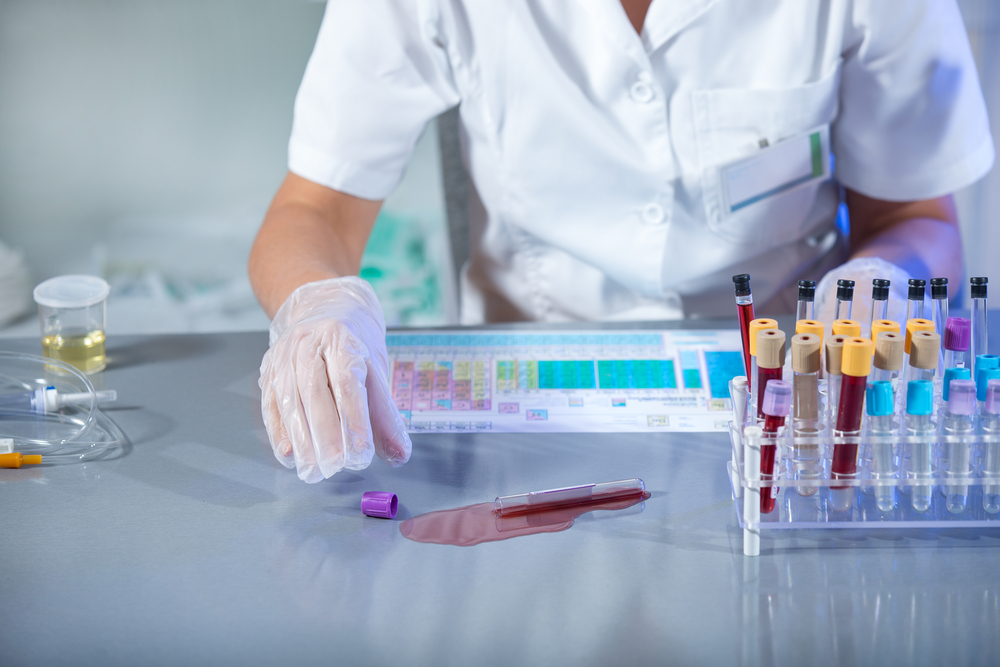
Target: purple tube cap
pixel 992 404
pixel 957 334
pixel 962 397
pixel 380 504
pixel 777 398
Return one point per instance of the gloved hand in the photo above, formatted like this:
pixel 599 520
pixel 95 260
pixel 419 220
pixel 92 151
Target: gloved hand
pixel 325 396
pixel 862 270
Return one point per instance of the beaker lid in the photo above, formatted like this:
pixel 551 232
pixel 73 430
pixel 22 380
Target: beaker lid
pixel 72 291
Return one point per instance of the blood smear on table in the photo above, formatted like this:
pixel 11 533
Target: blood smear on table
pixel 475 524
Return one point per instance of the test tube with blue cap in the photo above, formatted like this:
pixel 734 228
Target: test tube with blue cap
pixel 880 407
pixel 919 408
pixel 958 422
pixel 980 337
pixel 990 423
pixel 987 368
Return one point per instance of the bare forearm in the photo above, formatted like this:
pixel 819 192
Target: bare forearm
pixel 310 233
pixel 923 247
pixel 921 237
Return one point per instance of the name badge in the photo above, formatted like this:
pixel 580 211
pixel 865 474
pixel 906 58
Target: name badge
pixel 793 163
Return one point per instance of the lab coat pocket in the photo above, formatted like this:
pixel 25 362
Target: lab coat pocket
pixel 732 124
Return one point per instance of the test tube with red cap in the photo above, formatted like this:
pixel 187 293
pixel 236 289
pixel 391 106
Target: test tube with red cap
pixel 856 364
pixel 776 404
pixel 991 465
pixel 958 420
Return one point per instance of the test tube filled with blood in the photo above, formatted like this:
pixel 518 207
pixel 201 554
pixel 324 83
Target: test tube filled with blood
pixel 777 402
pixel 770 359
pixel 856 364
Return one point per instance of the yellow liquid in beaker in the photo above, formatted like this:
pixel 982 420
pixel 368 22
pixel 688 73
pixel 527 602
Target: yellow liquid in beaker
pixel 85 351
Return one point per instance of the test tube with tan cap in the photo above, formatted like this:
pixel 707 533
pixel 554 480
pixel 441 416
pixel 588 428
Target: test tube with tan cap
pixel 770 359
pixel 806 417
pixel 756 326
pixel 834 376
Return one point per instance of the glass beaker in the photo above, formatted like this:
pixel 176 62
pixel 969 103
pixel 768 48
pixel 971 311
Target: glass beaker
pixel 72 313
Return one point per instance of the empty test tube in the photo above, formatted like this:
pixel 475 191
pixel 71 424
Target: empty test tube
pixel 880 408
pixel 845 300
pixel 991 465
pixel 776 404
pixel 957 334
pixel 919 408
pixel 958 421
pixel 850 328
pixel 856 364
pixel 880 303
pixel 770 359
pixel 922 361
pixel 939 297
pixel 806 420
pixel 980 339
pixel 756 326
pixel 915 299
pixel 805 307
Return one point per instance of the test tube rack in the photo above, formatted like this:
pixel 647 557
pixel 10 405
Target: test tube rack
pixel 803 496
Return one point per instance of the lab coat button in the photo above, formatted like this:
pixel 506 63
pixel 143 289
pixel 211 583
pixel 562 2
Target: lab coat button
pixel 652 214
pixel 642 92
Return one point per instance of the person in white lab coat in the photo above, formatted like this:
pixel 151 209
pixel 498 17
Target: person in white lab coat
pixel 602 138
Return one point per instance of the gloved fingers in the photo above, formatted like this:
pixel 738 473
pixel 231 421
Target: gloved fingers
pixel 280 444
pixel 347 371
pixel 392 442
pixel 324 444
pixel 295 376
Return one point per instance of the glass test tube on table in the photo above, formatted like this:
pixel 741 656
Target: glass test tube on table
pixel 806 421
pixel 856 365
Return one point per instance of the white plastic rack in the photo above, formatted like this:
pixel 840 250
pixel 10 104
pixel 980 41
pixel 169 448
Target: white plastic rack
pixel 803 482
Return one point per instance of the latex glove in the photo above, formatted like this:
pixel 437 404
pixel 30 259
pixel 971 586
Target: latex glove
pixel 325 397
pixel 862 270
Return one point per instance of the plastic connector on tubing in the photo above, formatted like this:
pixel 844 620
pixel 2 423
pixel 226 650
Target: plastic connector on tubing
pixel 17 459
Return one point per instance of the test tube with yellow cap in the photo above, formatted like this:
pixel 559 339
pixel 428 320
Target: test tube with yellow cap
pixel 856 364
pixel 756 326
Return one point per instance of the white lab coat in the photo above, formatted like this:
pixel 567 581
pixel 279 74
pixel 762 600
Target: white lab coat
pixel 595 152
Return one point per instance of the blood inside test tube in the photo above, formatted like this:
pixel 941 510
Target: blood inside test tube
pixel 745 311
pixel 767 454
pixel 856 366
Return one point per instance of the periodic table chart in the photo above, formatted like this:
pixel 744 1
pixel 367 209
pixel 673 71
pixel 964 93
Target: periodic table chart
pixel 585 381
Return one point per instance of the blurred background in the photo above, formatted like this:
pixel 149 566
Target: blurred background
pixel 142 140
